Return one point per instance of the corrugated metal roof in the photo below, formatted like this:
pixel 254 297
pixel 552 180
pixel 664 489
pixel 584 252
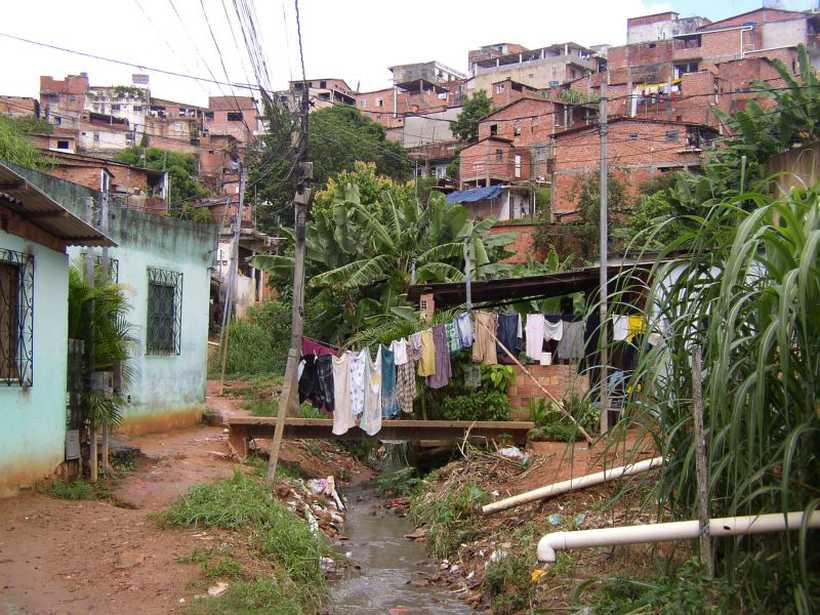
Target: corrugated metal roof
pixel 33 205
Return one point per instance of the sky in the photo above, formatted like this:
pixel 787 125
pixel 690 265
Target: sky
pixel 356 40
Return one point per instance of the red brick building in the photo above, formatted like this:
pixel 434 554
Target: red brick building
pixel 19 106
pixel 233 115
pixel 638 150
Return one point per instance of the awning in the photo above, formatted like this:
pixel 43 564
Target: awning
pixel 474 194
pixel 35 206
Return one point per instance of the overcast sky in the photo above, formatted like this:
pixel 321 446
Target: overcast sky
pixel 355 40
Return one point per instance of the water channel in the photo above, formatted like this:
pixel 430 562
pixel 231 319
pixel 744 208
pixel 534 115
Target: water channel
pixel 393 568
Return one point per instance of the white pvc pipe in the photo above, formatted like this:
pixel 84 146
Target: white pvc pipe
pixel 679 530
pixel 572 484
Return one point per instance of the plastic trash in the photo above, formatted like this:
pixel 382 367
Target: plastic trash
pixel 512 452
pixel 555 519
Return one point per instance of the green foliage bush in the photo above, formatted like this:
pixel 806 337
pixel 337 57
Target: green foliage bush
pixel 15 148
pixel 259 341
pixel 487 402
pixel 479 406
pixel 451 519
pixel 508 583
pixel 278 534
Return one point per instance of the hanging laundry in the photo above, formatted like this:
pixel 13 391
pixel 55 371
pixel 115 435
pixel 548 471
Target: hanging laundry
pixel 309 382
pixel 399 348
pixel 453 340
pixel 635 325
pixel 342 412
pixel 553 328
pixel 371 419
pixel 472 376
pixel 390 405
pixel 443 370
pixel 324 373
pixel 620 327
pixel 357 369
pixel 571 346
pixel 406 385
pixel 314 347
pixel 484 344
pixel 414 347
pixel 465 329
pixel 507 333
pixel 535 336
pixel 427 363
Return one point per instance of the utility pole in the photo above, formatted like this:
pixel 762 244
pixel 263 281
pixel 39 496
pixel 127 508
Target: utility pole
pixel 290 390
pixel 233 269
pixel 604 251
pixel 701 467
pixel 468 290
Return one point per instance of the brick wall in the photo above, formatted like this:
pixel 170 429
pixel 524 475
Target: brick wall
pixel 638 150
pixel 524 244
pixel 560 380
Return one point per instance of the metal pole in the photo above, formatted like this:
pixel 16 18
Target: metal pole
pixel 604 247
pixel 701 471
pixel 289 397
pixel 230 298
pixel 468 274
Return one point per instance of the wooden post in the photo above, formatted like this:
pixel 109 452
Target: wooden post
pixel 89 280
pixel 701 472
pixel 106 264
pixel 289 397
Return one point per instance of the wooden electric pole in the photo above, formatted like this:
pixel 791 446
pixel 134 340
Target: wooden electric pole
pixel 93 467
pixel 106 271
pixel 604 251
pixel 701 466
pixel 288 400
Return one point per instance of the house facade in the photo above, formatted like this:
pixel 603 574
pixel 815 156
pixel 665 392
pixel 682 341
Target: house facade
pixel 36 234
pixel 164 266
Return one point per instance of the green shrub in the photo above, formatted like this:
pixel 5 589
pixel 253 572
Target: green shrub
pixel 477 406
pixel 452 519
pixel 259 341
pixel 74 490
pixel 261 596
pixel 277 534
pixel 508 583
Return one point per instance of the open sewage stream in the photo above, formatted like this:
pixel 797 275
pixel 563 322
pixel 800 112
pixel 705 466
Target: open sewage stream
pixel 393 573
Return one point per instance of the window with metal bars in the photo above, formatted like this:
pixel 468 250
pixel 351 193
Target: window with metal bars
pixel 164 326
pixel 16 318
pixel 113 265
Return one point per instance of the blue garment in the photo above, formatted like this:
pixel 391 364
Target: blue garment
pixel 507 333
pixel 390 404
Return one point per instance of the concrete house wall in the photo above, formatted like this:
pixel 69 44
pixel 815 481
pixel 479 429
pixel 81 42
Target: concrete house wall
pixel 33 418
pixel 167 391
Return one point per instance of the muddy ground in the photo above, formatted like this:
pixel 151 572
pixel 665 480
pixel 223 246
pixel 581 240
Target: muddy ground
pixel 109 556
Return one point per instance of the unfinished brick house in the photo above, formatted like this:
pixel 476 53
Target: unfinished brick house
pixel 638 150
pixel 19 106
pixel 233 115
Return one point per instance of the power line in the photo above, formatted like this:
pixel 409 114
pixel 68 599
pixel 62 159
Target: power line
pixel 126 63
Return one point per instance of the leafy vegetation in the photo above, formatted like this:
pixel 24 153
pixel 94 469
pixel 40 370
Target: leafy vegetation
pixel 182 170
pixel 259 341
pixel 476 107
pixel 745 295
pixel 508 583
pixel 452 519
pixel 339 137
pixel 14 147
pixel 552 425
pixel 365 236
pixel 98 316
pixel 278 535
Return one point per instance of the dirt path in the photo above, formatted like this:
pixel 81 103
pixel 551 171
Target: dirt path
pixel 58 556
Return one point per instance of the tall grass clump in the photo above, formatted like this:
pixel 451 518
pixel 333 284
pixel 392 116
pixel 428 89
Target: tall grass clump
pixel 278 535
pixel 747 295
pixel 259 341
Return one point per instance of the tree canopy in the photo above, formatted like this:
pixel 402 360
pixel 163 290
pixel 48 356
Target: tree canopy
pixel 182 169
pixel 365 236
pixel 339 136
pixel 475 107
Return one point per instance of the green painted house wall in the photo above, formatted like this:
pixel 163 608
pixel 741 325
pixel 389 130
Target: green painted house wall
pixel 167 391
pixel 32 419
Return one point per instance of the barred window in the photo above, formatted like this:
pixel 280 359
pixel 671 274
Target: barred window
pixel 16 318
pixel 164 326
pixel 113 265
